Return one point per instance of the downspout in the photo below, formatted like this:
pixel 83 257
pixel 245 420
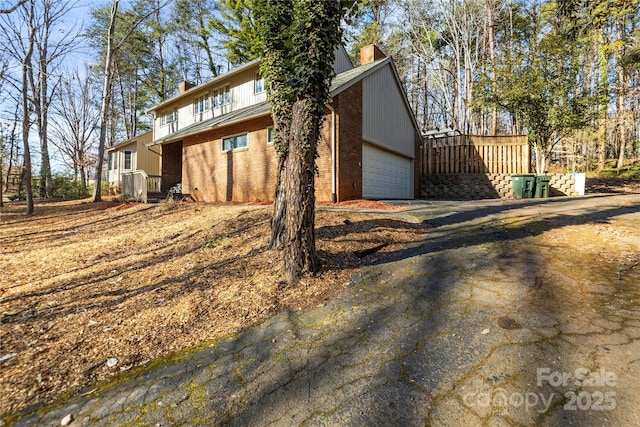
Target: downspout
pixel 152 116
pixel 334 197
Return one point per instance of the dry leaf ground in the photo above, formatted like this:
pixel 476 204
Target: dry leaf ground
pixel 85 282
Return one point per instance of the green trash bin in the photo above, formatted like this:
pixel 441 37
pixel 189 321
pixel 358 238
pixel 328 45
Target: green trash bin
pixel 523 186
pixel 542 186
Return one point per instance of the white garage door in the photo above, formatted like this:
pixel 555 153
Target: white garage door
pixel 385 175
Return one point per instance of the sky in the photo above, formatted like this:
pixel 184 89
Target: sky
pixel 72 22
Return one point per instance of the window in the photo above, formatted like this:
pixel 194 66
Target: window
pixel 270 134
pixel 239 141
pixel 201 104
pixel 221 97
pixel 127 159
pixel 113 160
pixel 168 118
pixel 258 84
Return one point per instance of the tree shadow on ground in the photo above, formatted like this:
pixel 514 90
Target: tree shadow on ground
pixel 397 347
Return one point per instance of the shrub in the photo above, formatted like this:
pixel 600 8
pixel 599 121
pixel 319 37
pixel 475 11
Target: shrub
pixel 123 198
pixel 69 188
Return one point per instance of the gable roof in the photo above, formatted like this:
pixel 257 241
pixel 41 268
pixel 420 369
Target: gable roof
pixel 139 138
pixel 346 79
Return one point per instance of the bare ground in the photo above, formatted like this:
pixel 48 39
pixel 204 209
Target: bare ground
pixel 84 283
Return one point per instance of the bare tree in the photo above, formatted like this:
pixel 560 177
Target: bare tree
pixel 75 120
pixel 50 51
pixel 196 37
pixel 3 67
pixel 106 101
pixel 18 32
pixel 447 38
pixel 111 50
pixel 26 105
pixel 11 9
pixel 11 150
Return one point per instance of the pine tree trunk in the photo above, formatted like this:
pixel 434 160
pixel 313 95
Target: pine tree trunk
pixel 294 207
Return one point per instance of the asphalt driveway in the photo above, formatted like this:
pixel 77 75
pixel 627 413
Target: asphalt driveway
pixel 507 313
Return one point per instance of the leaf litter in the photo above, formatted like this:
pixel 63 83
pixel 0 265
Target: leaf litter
pixel 89 284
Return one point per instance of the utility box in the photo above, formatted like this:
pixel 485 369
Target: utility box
pixel 542 186
pixel 523 186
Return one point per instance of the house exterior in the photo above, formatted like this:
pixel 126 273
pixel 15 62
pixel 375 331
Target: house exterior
pixel 216 138
pixel 129 158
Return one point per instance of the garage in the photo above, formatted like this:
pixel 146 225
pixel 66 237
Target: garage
pixel 385 175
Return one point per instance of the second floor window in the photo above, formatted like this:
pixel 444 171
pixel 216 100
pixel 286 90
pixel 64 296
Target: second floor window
pixel 201 104
pixel 168 118
pixel 259 84
pixel 221 97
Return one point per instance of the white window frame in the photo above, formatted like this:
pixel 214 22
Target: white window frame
pixel 201 104
pixel 235 137
pixel 270 135
pixel 221 97
pixel 258 85
pixel 124 163
pixel 168 118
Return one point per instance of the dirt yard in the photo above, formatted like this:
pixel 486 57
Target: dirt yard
pixel 89 290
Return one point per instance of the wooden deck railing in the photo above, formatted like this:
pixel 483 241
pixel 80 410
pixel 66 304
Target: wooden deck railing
pixel 138 184
pixel 476 154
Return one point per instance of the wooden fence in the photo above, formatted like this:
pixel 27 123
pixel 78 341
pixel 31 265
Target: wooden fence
pixel 476 154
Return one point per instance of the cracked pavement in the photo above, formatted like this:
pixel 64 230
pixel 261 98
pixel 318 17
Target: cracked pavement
pixel 510 312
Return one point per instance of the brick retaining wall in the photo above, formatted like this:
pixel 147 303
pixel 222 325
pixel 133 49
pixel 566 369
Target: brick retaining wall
pixel 487 186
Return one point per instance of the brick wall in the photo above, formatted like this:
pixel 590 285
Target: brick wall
pixel 249 174
pixel 487 186
pixel 323 162
pixel 246 174
pixel 171 165
pixel 348 107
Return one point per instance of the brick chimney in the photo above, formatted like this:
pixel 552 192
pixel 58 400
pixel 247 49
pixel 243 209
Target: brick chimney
pixel 185 86
pixel 370 54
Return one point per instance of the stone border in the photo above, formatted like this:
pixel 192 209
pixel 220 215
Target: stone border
pixel 492 186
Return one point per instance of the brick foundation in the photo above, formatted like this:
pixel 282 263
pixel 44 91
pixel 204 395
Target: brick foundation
pixel 487 186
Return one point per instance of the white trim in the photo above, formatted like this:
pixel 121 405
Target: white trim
pixel 270 141
pixel 246 134
pixel 257 79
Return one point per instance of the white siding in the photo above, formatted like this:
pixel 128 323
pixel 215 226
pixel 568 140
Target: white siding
pixel 386 122
pixel 113 175
pixel 243 95
pixel 242 87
